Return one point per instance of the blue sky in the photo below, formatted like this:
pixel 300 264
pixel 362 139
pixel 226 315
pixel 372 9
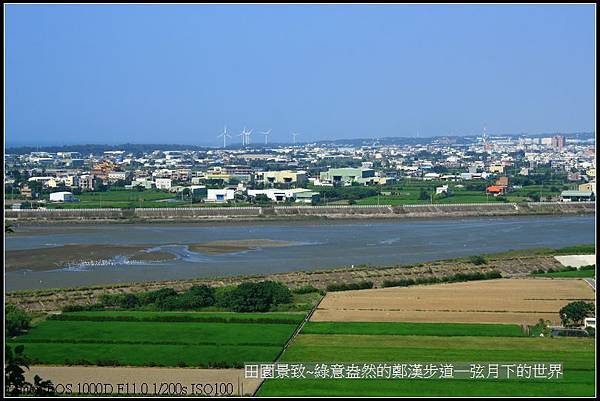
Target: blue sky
pixel 177 74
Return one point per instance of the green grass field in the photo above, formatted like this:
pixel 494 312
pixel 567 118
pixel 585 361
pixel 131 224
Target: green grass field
pixel 148 343
pixel 422 329
pixel 291 318
pixel 124 195
pixel 119 198
pixel 576 355
pixel 567 274
pixel 407 193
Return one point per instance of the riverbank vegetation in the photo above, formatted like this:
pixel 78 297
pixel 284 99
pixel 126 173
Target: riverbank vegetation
pixel 246 297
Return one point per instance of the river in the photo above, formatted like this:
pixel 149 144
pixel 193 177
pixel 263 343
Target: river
pixel 318 245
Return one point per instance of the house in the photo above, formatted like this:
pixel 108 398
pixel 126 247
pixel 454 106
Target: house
pixel 27 192
pixel 114 176
pixel 163 183
pixel 431 176
pixel 496 168
pixel 281 177
pixel 576 196
pixel 589 322
pixel 195 191
pixel 307 197
pixel 142 182
pixel 502 181
pixel 299 195
pixel 588 187
pixel 442 190
pixel 86 182
pixel 220 195
pixel 43 180
pixel 62 197
pixel 72 181
pixel 495 189
pixel 275 195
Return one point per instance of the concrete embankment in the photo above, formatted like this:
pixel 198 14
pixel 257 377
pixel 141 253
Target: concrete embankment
pixel 197 214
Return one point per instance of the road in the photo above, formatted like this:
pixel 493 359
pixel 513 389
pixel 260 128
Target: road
pixel 591 282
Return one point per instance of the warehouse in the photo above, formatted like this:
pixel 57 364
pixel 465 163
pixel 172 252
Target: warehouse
pixel 62 197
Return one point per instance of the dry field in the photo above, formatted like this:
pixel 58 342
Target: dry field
pixel 80 377
pixel 521 301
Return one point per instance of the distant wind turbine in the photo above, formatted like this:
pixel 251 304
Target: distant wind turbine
pixel 243 135
pixel 225 135
pixel 266 134
pixel 294 135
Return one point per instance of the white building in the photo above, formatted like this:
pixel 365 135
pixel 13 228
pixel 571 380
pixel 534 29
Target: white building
pixel 62 197
pixel 589 322
pixel 163 183
pixel 282 195
pixel 220 195
pixel 441 190
pixel 114 176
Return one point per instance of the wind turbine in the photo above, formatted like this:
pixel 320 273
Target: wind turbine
pixel 225 135
pixel 294 135
pixel 248 137
pixel 266 134
pixel 243 135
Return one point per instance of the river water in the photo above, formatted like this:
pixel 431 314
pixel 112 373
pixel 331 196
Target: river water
pixel 317 245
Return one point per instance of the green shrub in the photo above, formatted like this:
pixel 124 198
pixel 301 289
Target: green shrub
pixel 16 320
pixel 398 283
pixel 258 297
pixel 477 260
pixel 82 308
pixel 223 296
pixel 157 297
pixel 349 286
pixel 307 289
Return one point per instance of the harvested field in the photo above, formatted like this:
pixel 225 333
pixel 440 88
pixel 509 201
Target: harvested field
pixel 81 376
pixel 520 301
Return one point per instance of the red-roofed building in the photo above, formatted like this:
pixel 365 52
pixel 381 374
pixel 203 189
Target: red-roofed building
pixel 495 189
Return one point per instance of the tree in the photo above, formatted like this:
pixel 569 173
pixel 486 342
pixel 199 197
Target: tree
pixel 258 297
pixel 262 199
pixel 157 297
pixel 17 320
pixel 250 297
pixel 196 297
pixel 572 314
pixel 14 375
